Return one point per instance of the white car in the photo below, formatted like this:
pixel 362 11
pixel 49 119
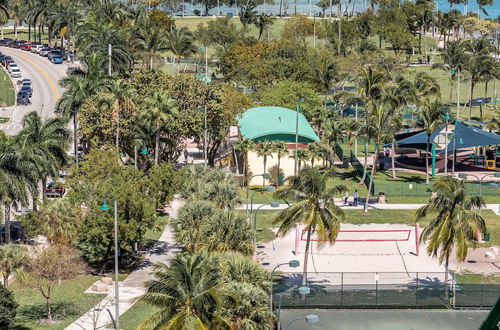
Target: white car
pixel 15 73
pixel 12 66
pixel 36 48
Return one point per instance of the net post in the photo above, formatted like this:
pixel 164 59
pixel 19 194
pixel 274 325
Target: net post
pixel 417 240
pixel 479 236
pixel 297 238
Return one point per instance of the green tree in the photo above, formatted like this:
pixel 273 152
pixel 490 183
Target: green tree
pixel 187 293
pixel 8 306
pixel 303 155
pixel 313 205
pixel 244 146
pixel 152 40
pixel 315 152
pixel 281 150
pixel 430 118
pixel 264 149
pixel 221 32
pixel 161 108
pixel 180 43
pixel 454 221
pixel 13 259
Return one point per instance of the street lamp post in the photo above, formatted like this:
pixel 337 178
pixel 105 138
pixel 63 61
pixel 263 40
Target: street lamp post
pixel 273 205
pixel 309 318
pixel 292 264
pixel 296 136
pixel 105 207
pixel 446 118
pixel 265 176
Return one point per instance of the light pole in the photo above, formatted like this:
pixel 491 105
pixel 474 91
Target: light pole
pixel 265 176
pixel 309 318
pixel 144 151
pixel 273 205
pixel 292 264
pixel 297 135
pixel 105 207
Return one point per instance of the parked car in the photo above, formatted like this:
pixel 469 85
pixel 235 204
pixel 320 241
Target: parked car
pixel 54 53
pixel 36 48
pixel 12 66
pixel 27 46
pixel 23 99
pixel 71 69
pixel 54 190
pixel 24 81
pixel 44 52
pixel 56 60
pixel 27 89
pixel 7 60
pixel 15 73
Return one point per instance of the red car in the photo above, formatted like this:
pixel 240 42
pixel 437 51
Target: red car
pixel 26 47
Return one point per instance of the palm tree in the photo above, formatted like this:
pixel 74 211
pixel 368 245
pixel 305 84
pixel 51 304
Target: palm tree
pixel 313 205
pixel 281 150
pixel 430 118
pixel 190 224
pixel 12 260
pixel 227 232
pixel 264 150
pixel 78 89
pixel 151 39
pixel 454 221
pixel 223 194
pixel 381 126
pixel 187 293
pixel 160 108
pixel 59 221
pixel 494 124
pixel 244 146
pixel 480 6
pixel 303 155
pixel 118 96
pixel 315 152
pixel 180 42
pixel 45 141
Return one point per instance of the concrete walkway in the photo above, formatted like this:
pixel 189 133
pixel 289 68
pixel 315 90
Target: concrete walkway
pixel 133 286
pixel 373 206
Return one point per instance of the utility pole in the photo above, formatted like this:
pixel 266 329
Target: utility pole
pixel 205 140
pixel 109 59
pixel 117 301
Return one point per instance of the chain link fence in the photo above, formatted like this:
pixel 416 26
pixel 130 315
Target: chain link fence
pixel 385 290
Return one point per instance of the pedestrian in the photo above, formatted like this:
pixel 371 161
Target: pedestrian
pixel 346 197
pixel 428 60
pixel 356 196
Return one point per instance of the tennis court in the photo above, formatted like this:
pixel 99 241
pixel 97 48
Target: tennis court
pixel 383 319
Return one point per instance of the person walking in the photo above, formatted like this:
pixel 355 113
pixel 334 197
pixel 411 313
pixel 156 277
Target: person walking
pixel 356 197
pixel 346 197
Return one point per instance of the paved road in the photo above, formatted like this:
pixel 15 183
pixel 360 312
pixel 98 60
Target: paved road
pixel 46 89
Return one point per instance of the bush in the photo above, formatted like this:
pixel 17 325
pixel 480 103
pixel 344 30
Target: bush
pixel 7 308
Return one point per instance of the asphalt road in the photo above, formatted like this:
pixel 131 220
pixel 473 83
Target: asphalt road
pixel 45 77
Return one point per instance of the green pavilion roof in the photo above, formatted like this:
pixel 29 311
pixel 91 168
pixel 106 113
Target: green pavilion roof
pixel 275 124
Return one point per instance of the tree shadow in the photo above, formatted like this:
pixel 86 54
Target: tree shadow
pixel 34 312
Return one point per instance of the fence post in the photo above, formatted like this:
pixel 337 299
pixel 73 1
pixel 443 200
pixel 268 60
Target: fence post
pixel 482 283
pixel 341 289
pixel 416 292
pixel 376 289
pixel 297 238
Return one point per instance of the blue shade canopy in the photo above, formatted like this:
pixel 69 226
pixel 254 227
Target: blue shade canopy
pixel 418 141
pixel 275 124
pixel 468 136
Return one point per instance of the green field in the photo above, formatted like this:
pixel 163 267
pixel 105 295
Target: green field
pixel 137 314
pixel 68 303
pixel 7 91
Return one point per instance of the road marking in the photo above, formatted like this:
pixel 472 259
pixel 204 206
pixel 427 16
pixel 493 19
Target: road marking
pixel 44 74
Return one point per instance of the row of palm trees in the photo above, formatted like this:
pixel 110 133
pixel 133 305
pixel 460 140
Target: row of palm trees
pixel 27 159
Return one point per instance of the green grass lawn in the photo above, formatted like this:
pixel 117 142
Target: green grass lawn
pixel 137 314
pixel 153 234
pixel 68 303
pixel 7 91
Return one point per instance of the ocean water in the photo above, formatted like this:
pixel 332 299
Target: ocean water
pixel 304 7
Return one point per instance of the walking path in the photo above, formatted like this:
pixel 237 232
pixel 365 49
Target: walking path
pixel 133 286
pixel 375 206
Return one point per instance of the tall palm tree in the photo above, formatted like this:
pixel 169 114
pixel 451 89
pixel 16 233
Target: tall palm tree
pixel 381 126
pixel 12 260
pixel 313 205
pixel 454 222
pixel 187 293
pixel 151 39
pixel 59 221
pixel 160 108
pixel 430 118
pixel 223 194
pixel 303 155
pixel 78 89
pixel 281 150
pixel 315 152
pixel 264 150
pixel 180 42
pixel 244 146
pixel 46 141
pixel 118 96
pixel 227 232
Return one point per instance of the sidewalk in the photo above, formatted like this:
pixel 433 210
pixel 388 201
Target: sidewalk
pixel 133 286
pixel 373 206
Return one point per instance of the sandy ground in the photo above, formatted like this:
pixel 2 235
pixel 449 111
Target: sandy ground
pixel 395 261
